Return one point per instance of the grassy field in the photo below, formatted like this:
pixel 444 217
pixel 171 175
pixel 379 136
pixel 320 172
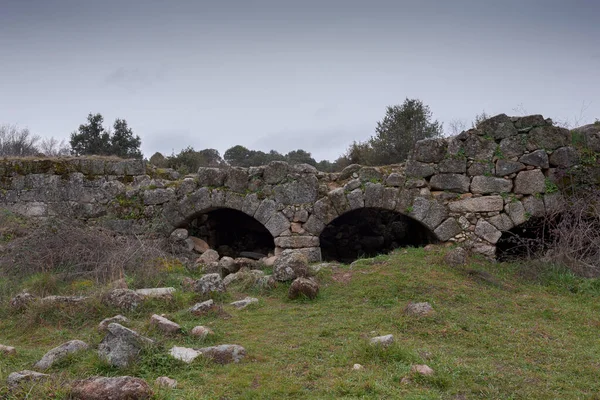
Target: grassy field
pixel 500 331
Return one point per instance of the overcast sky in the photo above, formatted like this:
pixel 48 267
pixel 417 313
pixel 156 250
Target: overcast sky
pixel 283 75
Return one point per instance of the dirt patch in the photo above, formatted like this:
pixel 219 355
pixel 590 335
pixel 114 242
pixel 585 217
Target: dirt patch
pixel 342 276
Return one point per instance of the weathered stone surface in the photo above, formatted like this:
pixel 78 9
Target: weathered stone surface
pixel 513 146
pixel 370 174
pixel 157 293
pixel 479 148
pixel 480 168
pixel 294 242
pixel 59 353
pixel 352 184
pixel 7 350
pixel 498 127
pixel 121 346
pixel 63 299
pixel 530 182
pixel 245 302
pixel 356 199
pixel 447 230
pixel 211 176
pixel 516 212
pixel 384 341
pixel 430 150
pixel 453 165
pixel 164 325
pixel 201 332
pixel 418 169
pixel 538 158
pixel 487 231
pixel 158 196
pixel 564 157
pixel 179 234
pixel 208 256
pixel 420 208
pixel 418 309
pixel 22 300
pixel 502 222
pixel 275 172
pixel 237 179
pixel 17 378
pixel 456 257
pixel 530 121
pixel 591 136
pixel 277 224
pixel 349 171
pixel 395 179
pixel 165 381
pixel 507 167
pixel 421 370
pixel 548 138
pixel 452 182
pixel 302 190
pixel 303 287
pixel 120 319
pixel 534 207
pixel 289 265
pixel 208 284
pixel 224 353
pixel 203 307
pixel 477 204
pixel 436 214
pixel 554 203
pixel 490 184
pixel 339 201
pixel 374 195
pixel 124 299
pixel 485 249
pixel 184 354
pixel 114 388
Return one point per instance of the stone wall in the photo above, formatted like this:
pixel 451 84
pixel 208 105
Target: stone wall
pixel 468 188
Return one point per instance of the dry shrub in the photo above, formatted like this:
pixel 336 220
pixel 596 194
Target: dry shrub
pixel 73 250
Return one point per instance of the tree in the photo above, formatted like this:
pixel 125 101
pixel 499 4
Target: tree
pixel 402 126
pixel 123 143
pixel 237 156
pixel 300 157
pixel 17 142
pixel 51 147
pixel 189 160
pixel 93 139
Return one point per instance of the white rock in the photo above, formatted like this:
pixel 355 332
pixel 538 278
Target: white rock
pixel 166 292
pixel 357 367
pixel 165 381
pixel 385 340
pixel 244 302
pixel 7 350
pixel 422 369
pixel 201 331
pixel 16 378
pixel 200 308
pixel 103 325
pixel 184 354
pixel 60 352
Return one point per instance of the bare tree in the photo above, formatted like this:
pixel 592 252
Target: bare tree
pixel 51 147
pixel 456 126
pixel 17 142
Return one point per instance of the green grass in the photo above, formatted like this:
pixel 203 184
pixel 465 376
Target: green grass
pixel 528 334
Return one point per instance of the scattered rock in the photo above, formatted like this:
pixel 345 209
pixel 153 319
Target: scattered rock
pixel 384 341
pixel 201 308
pixel 418 309
pixel 164 324
pixel 405 381
pixel 63 299
pixel 157 293
pixel 227 266
pixel 456 257
pixel 184 354
pixel 422 370
pixel 8 350
pixel 165 381
pixel 179 234
pixel 107 321
pixel 266 282
pixel 357 367
pixel 124 299
pixel 117 388
pixel 209 256
pixel 60 352
pixel 121 345
pixel 244 302
pixel 198 244
pixel 303 286
pixel 22 300
pixel 269 261
pixel 201 332
pixel 289 265
pixel 16 378
pixel 224 353
pixel 209 283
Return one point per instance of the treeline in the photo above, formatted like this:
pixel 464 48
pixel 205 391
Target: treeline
pixel 395 136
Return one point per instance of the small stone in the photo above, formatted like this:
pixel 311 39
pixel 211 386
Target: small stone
pixel 209 256
pixel 107 321
pixel 202 308
pixel 224 353
pixel 124 299
pixel 240 304
pixel 305 287
pixel 198 244
pixel 209 283
pixel 121 346
pixel 8 350
pixel 115 388
pixel 184 354
pixel 164 324
pixel 422 370
pixel 456 257
pixel 165 381
pixel 157 293
pixel 357 367
pixel 22 300
pixel 60 352
pixel 418 309
pixel 201 332
pixel 384 341
pixel 16 378
pixel 179 234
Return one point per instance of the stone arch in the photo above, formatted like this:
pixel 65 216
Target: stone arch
pixel 368 231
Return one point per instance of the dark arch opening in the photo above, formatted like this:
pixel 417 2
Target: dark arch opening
pixel 232 233
pixel 367 232
pixel 528 240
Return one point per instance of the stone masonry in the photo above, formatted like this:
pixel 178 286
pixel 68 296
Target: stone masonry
pixel 467 188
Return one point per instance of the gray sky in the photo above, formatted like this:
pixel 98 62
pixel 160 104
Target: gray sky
pixel 283 74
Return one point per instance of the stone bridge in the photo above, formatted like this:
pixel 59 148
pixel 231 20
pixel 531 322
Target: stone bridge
pixel 468 188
